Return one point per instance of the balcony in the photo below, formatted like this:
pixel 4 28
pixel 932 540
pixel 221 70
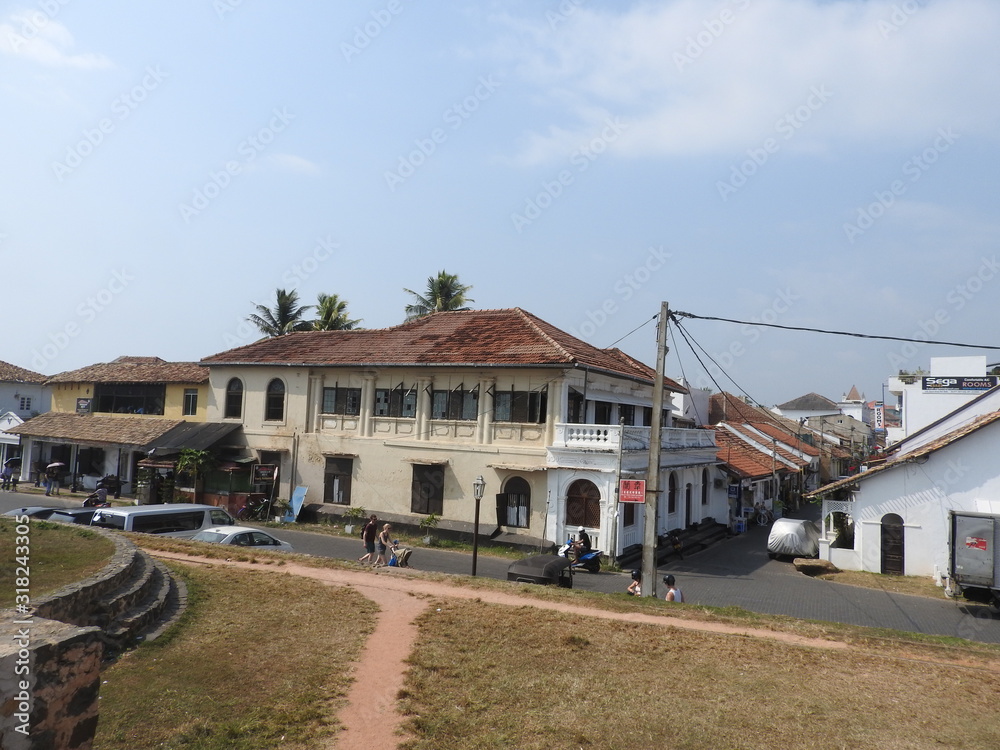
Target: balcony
pixel 605 437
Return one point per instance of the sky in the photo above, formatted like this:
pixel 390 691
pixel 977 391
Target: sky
pixel 164 167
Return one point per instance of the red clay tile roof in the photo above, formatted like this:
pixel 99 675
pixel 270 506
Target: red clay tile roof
pixel 479 338
pixel 135 370
pixel 742 459
pixel 925 450
pixel 13 374
pixel 725 407
pixel 742 430
pixel 93 428
pixel 786 437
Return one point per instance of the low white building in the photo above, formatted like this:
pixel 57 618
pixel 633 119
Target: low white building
pixel 894 517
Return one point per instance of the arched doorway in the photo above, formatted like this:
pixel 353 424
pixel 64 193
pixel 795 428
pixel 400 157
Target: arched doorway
pixel 583 505
pixel 892 545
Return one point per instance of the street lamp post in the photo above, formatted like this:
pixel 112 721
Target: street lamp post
pixel 478 487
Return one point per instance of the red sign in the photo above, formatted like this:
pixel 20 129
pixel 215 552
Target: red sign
pixel 975 542
pixel 632 491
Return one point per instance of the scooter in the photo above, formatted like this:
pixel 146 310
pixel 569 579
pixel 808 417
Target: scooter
pixel 97 499
pixel 591 562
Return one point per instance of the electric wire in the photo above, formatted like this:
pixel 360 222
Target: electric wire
pixel 832 333
pixel 642 325
pixel 694 403
pixel 684 333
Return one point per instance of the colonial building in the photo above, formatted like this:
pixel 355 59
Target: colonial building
pixel 105 415
pixel 401 421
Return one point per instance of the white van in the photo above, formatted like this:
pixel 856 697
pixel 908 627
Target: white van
pixel 173 519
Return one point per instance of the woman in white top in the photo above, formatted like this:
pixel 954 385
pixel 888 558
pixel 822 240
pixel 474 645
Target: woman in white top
pixel 674 594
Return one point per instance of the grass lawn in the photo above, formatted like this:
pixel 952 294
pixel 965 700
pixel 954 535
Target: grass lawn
pixel 58 554
pixel 487 676
pixel 259 661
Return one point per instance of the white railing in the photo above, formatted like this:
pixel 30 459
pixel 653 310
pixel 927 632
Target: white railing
pixel 630 535
pixel 610 437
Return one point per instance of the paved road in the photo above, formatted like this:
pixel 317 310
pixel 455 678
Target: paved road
pixel 735 571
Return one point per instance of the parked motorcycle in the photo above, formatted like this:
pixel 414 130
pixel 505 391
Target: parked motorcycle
pixel 591 561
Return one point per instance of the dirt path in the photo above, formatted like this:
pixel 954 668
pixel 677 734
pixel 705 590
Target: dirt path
pixel 370 718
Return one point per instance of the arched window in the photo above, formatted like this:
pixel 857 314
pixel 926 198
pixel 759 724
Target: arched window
pixel 234 399
pixel 514 504
pixel 704 486
pixel 274 409
pixel 672 493
pixel 583 505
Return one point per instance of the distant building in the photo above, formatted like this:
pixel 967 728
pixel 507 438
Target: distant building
pixel 23 394
pixel 104 415
pixel 923 398
pixel 810 405
pixel 853 404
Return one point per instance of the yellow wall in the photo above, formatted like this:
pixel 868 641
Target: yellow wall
pixel 64 396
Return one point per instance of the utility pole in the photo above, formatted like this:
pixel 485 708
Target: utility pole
pixel 648 585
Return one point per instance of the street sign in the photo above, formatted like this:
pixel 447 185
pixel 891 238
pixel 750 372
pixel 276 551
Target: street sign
pixel 632 491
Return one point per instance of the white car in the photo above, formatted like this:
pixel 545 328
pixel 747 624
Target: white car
pixel 241 536
pixel 793 537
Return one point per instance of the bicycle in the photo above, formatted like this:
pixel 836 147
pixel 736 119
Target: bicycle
pixel 256 509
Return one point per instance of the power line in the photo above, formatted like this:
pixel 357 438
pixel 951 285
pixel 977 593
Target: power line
pixel 832 333
pixel 643 325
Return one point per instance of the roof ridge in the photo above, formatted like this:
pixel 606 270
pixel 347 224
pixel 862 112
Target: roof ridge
pixel 528 317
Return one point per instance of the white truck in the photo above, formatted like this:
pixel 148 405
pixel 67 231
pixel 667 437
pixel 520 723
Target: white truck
pixel 975 556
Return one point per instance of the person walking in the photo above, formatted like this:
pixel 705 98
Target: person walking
pixel 368 534
pixel 384 542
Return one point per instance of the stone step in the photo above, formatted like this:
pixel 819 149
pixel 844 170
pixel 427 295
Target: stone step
pixel 130 625
pixel 132 590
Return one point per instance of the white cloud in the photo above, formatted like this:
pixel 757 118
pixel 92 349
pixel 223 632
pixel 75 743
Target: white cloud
pixel 292 163
pixel 36 37
pixel 692 77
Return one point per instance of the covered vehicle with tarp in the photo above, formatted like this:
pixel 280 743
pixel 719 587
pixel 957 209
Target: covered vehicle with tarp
pixel 794 537
pixel 542 569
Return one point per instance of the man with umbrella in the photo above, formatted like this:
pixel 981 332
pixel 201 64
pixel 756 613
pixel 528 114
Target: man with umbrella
pixel 52 474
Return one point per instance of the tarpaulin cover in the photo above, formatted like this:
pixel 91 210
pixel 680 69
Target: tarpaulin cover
pixel 792 536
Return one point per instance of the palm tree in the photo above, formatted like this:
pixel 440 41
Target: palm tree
pixel 331 313
pixel 284 317
pixel 444 292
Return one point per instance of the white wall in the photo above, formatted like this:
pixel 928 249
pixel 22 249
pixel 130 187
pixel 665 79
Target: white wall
pixel 962 476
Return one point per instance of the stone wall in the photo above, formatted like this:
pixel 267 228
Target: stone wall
pixel 50 659
pixel 50 676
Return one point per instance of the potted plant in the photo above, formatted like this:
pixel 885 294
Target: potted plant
pixel 428 523
pixel 352 515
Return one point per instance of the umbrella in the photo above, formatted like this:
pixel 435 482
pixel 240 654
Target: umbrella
pixel 15 460
pixel 54 464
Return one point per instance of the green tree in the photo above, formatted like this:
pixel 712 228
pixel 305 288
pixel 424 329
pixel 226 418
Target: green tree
pixel 331 314
pixel 195 464
pixel 284 317
pixel 444 292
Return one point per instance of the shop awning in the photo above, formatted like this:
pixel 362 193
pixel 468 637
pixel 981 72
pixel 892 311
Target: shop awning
pixel 196 436
pixel 516 467
pixel 95 429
